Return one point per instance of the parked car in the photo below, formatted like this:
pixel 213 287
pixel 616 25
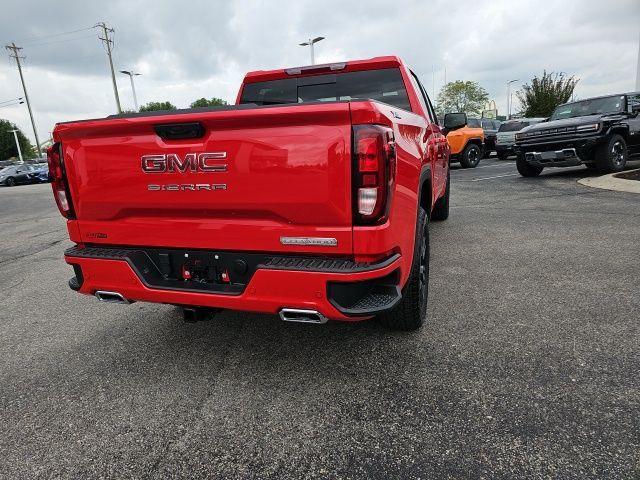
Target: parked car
pixel 311 197
pixel 506 136
pixel 16 174
pixel 601 133
pixel 40 174
pixel 467 143
pixel 490 128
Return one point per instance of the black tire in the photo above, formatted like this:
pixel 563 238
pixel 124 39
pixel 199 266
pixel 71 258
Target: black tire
pixel 441 208
pixel 471 156
pixel 410 313
pixel 612 156
pixel 503 155
pixel 10 182
pixel 592 167
pixel 526 169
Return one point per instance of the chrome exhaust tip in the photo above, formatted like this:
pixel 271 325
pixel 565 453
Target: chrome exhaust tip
pixel 111 297
pixel 302 316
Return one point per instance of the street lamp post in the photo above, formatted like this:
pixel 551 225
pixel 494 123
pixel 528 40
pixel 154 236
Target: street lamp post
pixel 638 72
pixel 15 135
pixel 509 97
pixel 133 87
pixel 310 43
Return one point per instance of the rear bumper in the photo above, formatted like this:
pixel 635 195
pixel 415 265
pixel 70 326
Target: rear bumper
pixel 268 291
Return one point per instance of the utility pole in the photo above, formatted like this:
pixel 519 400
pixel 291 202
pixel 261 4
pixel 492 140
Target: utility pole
pixel 310 43
pixel 15 55
pixel 15 135
pixel 109 42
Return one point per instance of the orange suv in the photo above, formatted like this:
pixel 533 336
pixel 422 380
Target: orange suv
pixel 466 143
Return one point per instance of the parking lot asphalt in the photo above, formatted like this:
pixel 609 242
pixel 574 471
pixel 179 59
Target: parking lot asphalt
pixel 527 366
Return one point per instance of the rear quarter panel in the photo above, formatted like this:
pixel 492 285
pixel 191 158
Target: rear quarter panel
pixel 417 152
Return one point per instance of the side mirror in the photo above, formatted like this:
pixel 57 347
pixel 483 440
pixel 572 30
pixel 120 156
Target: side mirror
pixel 454 121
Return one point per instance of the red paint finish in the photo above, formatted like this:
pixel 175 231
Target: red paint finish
pixel 277 171
pixel 268 291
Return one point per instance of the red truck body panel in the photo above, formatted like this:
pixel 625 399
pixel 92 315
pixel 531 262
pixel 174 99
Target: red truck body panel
pixel 287 172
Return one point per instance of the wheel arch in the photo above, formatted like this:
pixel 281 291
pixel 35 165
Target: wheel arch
pixel 425 192
pixel 622 130
pixel 475 140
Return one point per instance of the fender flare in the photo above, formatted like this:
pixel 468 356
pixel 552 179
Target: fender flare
pixel 424 185
pixel 477 140
pixel 618 129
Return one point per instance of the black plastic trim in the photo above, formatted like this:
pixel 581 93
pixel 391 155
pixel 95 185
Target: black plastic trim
pixel 75 283
pixel 179 131
pixel 147 264
pixel 368 297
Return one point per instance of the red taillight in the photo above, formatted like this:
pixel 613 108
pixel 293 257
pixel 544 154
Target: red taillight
pixel 374 173
pixel 59 181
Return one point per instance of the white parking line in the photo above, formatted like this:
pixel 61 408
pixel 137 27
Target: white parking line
pixel 497 165
pixel 495 176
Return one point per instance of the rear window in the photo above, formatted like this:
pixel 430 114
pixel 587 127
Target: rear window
pixel 473 123
pixel 384 86
pixel 513 126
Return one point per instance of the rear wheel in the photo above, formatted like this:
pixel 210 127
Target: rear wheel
pixel 441 208
pixel 503 155
pixel 471 156
pixel 410 313
pixel 612 155
pixel 10 182
pixel 526 169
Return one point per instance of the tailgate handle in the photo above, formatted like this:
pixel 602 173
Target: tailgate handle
pixel 179 131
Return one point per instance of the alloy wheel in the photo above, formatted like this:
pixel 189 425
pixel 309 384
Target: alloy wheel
pixel 618 154
pixel 473 155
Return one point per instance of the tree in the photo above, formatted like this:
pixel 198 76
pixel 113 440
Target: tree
pixel 543 95
pixel 460 96
pixel 8 147
pixel 203 102
pixel 155 106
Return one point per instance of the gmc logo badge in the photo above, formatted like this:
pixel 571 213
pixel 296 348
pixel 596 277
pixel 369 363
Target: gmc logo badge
pixel 192 162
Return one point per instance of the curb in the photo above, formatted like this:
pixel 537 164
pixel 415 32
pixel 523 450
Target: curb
pixel 611 182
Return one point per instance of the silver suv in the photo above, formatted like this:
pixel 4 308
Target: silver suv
pixel 506 135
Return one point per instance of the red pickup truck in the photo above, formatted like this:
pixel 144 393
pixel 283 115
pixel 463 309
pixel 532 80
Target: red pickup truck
pixel 310 198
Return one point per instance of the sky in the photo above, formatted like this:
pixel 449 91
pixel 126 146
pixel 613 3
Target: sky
pixel 203 48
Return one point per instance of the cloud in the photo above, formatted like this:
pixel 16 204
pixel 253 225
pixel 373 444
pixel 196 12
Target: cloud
pixel 187 50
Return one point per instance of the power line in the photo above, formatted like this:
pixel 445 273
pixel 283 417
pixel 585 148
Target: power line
pixel 11 104
pixel 17 57
pixel 108 42
pixel 39 37
pixel 12 100
pixel 29 45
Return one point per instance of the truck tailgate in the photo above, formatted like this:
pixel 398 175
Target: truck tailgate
pixel 256 175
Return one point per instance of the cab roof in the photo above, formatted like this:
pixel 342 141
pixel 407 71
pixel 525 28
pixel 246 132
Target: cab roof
pixel 375 63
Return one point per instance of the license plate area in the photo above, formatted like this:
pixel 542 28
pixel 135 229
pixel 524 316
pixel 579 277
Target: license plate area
pixel 210 271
